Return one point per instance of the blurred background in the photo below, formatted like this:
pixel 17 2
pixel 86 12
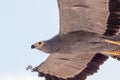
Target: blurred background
pixel 24 22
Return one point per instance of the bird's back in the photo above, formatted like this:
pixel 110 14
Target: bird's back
pixel 86 42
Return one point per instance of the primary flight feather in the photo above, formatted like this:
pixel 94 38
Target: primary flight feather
pixel 89 34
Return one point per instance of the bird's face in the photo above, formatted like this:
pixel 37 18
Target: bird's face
pixel 38 45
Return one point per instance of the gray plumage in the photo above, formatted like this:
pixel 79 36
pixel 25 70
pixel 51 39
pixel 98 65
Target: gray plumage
pixel 76 51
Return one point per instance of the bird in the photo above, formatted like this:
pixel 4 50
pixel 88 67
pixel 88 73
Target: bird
pixel 88 36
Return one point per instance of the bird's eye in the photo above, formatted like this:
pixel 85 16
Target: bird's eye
pixel 40 43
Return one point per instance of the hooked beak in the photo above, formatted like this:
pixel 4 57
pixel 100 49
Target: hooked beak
pixel 33 46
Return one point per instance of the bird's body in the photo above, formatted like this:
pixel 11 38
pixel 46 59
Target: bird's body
pixel 79 41
pixel 89 34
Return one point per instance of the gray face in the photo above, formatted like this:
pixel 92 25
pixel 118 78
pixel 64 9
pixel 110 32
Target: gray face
pixel 37 45
pixel 42 46
pixel 49 46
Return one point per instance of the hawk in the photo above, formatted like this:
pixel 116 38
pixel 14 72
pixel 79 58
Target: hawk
pixel 89 34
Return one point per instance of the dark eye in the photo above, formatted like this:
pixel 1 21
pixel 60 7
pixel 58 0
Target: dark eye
pixel 40 43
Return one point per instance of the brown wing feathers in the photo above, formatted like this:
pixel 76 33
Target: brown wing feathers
pixel 114 18
pixel 91 68
pixel 98 16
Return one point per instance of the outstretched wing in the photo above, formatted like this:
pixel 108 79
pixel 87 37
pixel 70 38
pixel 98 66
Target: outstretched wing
pixel 60 66
pixel 96 16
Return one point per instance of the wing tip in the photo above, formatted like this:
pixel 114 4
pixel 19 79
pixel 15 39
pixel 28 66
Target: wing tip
pixel 113 24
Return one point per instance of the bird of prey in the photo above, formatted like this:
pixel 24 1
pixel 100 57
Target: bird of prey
pixel 89 34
